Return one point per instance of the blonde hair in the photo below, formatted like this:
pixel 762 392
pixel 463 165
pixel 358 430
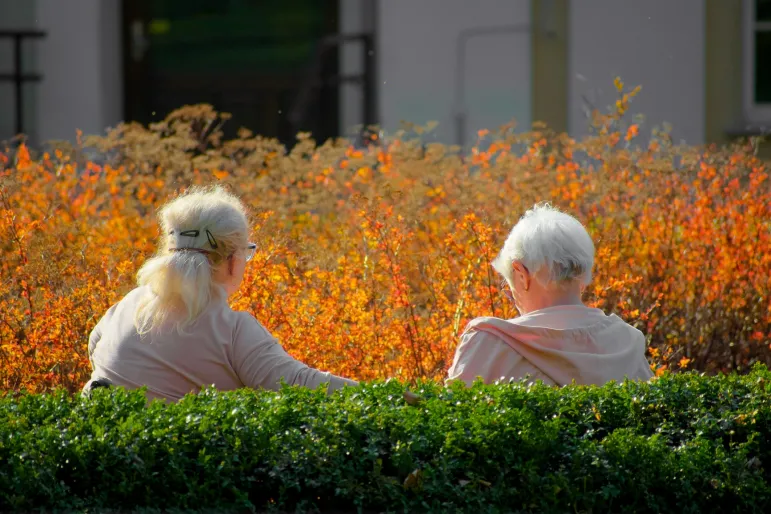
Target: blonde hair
pixel 547 238
pixel 199 230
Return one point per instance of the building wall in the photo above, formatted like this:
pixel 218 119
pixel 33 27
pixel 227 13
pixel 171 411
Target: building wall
pixel 658 44
pixel 417 45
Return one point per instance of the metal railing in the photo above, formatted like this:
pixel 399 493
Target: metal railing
pixel 17 75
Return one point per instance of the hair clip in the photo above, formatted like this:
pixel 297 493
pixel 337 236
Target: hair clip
pixel 195 250
pixel 210 237
pixel 190 233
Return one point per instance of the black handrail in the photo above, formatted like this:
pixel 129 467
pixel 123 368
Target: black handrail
pixel 315 77
pixel 17 76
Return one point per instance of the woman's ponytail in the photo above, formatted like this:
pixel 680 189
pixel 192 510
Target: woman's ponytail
pixel 180 284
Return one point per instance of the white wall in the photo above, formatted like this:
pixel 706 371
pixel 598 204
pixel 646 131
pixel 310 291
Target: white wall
pixel 416 45
pixel 658 44
pixel 82 62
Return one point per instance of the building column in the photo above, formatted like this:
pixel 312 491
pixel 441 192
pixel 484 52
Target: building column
pixel 724 75
pixel 550 63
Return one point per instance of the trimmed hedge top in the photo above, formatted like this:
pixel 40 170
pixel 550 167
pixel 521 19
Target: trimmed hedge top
pixel 681 443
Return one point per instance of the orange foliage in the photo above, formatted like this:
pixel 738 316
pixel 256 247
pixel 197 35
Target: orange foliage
pixel 372 260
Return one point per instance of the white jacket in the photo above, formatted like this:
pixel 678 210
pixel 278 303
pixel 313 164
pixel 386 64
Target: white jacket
pixel 556 345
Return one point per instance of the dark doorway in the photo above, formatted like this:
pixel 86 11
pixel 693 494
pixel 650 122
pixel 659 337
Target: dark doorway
pixel 246 57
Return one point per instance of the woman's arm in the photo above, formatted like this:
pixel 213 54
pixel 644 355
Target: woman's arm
pixel 260 361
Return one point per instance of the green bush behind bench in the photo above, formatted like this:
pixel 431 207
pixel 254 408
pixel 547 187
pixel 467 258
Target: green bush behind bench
pixel 681 443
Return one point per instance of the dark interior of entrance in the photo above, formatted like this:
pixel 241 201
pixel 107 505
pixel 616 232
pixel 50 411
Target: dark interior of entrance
pixel 250 58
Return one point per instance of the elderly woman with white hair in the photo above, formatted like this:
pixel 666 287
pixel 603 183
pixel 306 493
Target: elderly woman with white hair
pixel 546 262
pixel 175 332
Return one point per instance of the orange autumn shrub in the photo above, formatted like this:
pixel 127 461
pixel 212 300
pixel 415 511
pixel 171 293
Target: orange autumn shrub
pixel 372 260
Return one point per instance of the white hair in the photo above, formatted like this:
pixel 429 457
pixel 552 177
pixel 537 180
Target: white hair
pixel 547 239
pixel 199 230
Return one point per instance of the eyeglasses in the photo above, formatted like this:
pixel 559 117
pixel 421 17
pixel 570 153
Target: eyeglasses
pixel 251 248
pixel 505 290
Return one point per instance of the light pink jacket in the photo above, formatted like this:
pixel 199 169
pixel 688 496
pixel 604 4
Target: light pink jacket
pixel 556 345
pixel 225 348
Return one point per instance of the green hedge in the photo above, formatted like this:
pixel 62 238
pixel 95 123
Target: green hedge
pixel 682 443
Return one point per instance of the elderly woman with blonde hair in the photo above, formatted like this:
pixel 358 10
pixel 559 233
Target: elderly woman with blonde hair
pixel 546 262
pixel 175 332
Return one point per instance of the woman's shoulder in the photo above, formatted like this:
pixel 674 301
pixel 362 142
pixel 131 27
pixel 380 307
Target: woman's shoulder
pixel 137 293
pixel 488 335
pixel 484 321
pixel 129 299
pixel 485 328
pixel 246 324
